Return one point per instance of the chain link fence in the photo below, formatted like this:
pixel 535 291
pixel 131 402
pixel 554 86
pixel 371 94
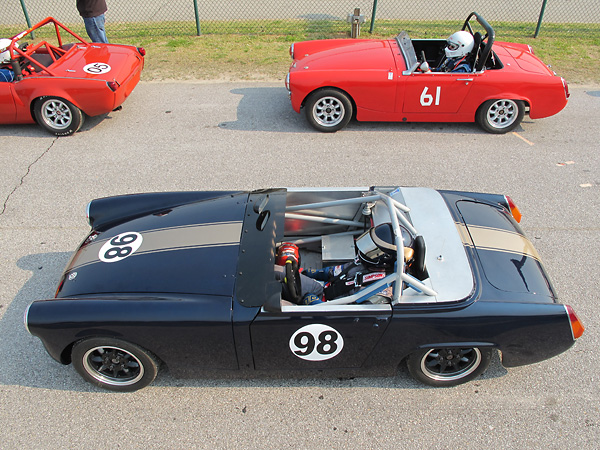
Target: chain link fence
pixel 312 18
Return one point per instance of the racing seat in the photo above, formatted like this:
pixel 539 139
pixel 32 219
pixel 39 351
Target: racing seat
pixel 44 59
pixel 474 56
pixel 417 268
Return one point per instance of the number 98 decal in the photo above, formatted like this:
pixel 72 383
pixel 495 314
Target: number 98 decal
pixel 316 342
pixel 120 247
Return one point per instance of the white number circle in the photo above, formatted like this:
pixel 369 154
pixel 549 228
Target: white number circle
pixel 97 68
pixel 316 342
pixel 120 247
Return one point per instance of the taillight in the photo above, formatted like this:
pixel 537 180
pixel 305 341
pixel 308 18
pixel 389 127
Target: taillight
pixel 113 85
pixel 142 51
pixel 576 325
pixel 26 318
pixel 513 208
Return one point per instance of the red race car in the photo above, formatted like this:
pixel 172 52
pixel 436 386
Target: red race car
pixel 57 84
pixel 469 77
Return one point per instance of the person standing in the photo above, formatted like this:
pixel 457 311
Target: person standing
pixel 92 12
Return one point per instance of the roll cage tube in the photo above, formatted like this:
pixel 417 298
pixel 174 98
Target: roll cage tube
pixel 52 50
pixel 490 35
pixel 396 211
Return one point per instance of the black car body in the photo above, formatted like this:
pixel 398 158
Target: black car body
pixel 186 279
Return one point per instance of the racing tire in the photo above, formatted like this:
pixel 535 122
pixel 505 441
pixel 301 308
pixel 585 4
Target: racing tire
pixel 59 116
pixel 500 116
pixel 114 364
pixel 446 367
pixel 328 110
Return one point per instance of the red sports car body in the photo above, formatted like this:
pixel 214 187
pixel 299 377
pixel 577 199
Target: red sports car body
pixel 56 83
pixel 385 80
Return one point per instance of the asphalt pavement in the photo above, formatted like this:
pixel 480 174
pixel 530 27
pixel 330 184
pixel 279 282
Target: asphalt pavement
pixel 197 136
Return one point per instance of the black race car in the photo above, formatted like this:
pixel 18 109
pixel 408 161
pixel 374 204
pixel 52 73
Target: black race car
pixel 193 281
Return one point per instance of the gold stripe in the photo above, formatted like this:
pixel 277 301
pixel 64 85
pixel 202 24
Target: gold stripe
pixel 501 240
pixel 464 234
pixel 173 238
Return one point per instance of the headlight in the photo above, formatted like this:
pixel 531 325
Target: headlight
pixel 25 318
pixel 87 213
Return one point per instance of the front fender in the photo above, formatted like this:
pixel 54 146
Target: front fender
pixel 190 332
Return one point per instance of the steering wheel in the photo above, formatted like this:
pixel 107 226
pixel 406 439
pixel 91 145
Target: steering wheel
pixel 292 285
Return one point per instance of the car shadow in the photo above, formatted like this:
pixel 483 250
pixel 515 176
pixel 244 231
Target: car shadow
pixel 269 109
pixel 33 130
pixel 24 362
pixel 265 109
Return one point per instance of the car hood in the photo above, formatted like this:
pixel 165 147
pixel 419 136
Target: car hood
pixel 343 54
pixel 100 62
pixel 188 249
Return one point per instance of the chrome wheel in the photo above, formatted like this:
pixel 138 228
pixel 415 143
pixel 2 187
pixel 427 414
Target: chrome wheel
pixel 502 113
pixel 56 114
pixel 449 364
pixel 445 367
pixel 500 116
pixel 328 111
pixel 113 366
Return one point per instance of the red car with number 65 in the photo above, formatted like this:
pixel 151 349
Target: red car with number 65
pixel 57 83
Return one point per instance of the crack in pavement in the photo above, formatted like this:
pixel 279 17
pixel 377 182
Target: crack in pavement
pixel 25 176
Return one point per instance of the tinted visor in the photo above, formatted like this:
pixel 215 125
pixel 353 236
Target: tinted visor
pixel 368 248
pixel 452 45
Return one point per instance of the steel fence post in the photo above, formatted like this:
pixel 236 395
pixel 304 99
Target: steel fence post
pixel 24 8
pixel 198 31
pixel 539 24
pixel 373 16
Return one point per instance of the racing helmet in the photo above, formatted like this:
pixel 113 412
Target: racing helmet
pixel 377 246
pixel 459 44
pixel 5 55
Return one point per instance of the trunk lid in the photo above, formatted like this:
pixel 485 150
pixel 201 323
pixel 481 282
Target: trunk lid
pixel 509 261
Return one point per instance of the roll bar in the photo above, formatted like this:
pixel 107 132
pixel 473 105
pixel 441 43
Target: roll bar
pixel 397 212
pixel 490 34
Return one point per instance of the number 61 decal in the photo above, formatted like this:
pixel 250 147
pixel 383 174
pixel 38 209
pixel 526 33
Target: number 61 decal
pixel 120 247
pixel 428 99
pixel 316 342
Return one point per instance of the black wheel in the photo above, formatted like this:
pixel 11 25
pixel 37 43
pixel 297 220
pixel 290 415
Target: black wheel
pixel 60 117
pixel 500 116
pixel 114 364
pixel 444 367
pixel 328 110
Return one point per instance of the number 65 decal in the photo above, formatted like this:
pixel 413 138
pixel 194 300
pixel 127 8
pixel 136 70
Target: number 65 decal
pixel 316 342
pixel 120 247
pixel 428 99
